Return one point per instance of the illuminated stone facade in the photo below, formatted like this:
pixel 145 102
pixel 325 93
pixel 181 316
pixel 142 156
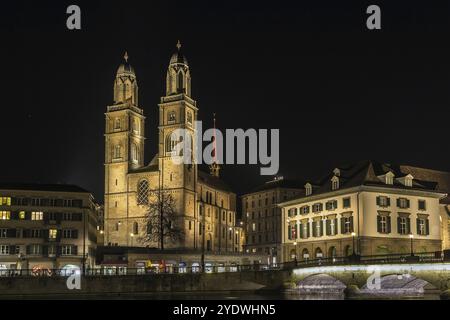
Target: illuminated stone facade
pixel 368 209
pixel 47 227
pixel 201 199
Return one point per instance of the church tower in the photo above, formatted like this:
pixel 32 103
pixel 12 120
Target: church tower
pixel 177 110
pixel 124 148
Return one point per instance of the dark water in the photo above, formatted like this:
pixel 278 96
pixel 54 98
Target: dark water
pixel 255 296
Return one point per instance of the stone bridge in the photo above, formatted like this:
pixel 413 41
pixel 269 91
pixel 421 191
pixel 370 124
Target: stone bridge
pixel 376 279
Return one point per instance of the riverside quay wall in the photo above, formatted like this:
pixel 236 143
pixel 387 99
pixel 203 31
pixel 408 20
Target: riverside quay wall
pixel 157 283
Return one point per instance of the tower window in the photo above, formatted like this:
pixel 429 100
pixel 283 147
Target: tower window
pixel 171 117
pixel 143 188
pixel 117 152
pixel 180 82
pixel 134 152
pixel 117 124
pixel 136 126
pixel 135 228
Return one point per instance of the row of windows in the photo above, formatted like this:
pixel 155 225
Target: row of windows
pixel 118 125
pixel 266 226
pixel 38 249
pixel 267 213
pixel 303 230
pixel 382 201
pixel 224 214
pixel 318 207
pixel 403 225
pixel 52 234
pixel 267 237
pixel 403 203
pixel 40 216
pixel 40 202
pixel 317 228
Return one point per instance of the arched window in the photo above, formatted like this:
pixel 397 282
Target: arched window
pixel 171 142
pixel 318 253
pixel 180 82
pixel 117 152
pixel 134 152
pixel 136 126
pixel 305 254
pixel 135 228
pixel 143 189
pixel 117 124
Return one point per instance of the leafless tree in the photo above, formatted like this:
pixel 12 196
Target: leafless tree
pixel 161 219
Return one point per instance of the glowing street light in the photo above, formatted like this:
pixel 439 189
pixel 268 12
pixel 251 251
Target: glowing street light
pixel 353 236
pixel 411 236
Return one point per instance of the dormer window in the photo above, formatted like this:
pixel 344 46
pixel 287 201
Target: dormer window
pixel 308 189
pixel 389 178
pixel 334 183
pixel 408 181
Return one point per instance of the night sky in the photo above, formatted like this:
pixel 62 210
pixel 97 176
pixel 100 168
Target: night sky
pixel 337 91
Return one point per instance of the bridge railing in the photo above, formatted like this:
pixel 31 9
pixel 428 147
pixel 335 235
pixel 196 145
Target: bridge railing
pixel 428 257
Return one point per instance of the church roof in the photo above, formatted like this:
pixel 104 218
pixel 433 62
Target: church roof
pixel 178 56
pixel 213 181
pixel 125 67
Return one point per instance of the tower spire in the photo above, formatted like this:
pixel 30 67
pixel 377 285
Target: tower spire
pixel 178 45
pixel 125 56
pixel 214 167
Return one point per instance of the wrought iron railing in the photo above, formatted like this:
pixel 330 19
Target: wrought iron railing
pixel 112 270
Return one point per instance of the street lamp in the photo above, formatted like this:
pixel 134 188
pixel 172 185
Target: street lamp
pixel 353 236
pixel 132 236
pixel 411 236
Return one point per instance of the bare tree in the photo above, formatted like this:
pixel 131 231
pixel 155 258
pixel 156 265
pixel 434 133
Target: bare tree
pixel 161 219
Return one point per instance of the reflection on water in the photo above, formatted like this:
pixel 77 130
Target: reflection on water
pixel 271 296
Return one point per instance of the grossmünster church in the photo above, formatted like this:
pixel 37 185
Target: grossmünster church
pixel 205 204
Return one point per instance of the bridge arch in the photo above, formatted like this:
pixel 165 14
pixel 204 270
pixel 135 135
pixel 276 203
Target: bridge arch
pixel 398 284
pixel 318 283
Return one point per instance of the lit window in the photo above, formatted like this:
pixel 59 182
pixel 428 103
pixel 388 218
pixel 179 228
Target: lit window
pixel 37 215
pixel 22 215
pixel 254 226
pixel 334 183
pixel 422 226
pixel 403 225
pixel 308 189
pixel 5 201
pixel 52 233
pixel 5 215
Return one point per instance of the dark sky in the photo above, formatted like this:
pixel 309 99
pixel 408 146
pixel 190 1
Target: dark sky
pixel 337 91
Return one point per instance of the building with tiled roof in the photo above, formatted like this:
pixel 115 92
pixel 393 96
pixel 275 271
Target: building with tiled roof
pixel 367 208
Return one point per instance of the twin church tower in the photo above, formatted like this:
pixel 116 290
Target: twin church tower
pixel 206 207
